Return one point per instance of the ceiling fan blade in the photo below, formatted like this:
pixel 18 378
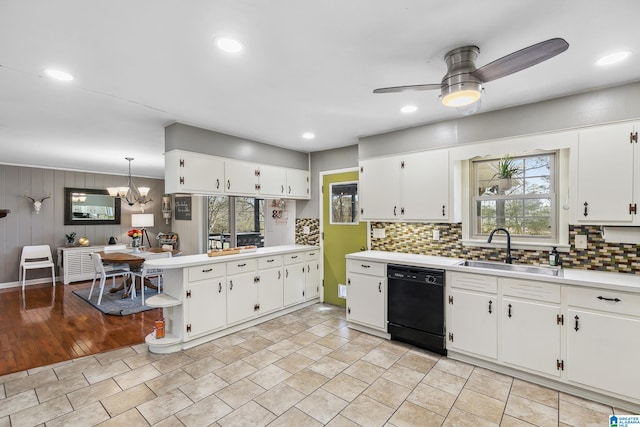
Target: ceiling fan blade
pixel 518 61
pixel 407 88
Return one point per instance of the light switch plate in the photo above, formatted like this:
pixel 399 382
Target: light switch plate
pixel 379 233
pixel 436 234
pixel 581 241
pixel 306 229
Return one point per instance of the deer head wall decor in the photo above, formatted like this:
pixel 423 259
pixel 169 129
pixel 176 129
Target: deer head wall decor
pixel 37 204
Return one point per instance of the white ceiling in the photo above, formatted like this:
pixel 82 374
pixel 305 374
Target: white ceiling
pixel 307 66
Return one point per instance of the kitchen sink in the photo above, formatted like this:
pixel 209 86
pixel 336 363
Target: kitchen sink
pixel 517 268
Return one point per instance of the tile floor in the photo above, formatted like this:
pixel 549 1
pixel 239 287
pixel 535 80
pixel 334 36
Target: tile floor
pixel 306 368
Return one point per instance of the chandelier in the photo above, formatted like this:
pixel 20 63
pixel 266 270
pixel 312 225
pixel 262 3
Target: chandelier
pixel 131 193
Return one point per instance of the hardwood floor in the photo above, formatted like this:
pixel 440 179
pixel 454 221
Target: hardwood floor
pixel 44 326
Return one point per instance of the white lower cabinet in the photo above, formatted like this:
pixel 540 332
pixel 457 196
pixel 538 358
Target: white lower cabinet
pixel 270 284
pixel 473 315
pixel 241 290
pixel 367 294
pixel 294 278
pixel 602 341
pixel 531 326
pixel 205 300
pixel 313 278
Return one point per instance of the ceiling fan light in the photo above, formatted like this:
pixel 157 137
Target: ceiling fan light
pixel 461 98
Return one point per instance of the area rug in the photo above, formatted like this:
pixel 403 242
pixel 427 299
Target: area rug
pixel 113 303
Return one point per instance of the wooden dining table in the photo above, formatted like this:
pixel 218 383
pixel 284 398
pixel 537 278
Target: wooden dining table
pixel 134 260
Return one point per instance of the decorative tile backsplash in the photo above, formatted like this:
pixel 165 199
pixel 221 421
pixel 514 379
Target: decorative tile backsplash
pixel 313 238
pixel 416 238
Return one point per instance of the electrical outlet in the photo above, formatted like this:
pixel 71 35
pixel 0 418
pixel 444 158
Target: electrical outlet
pixel 306 229
pixel 379 233
pixel 581 241
pixel 436 234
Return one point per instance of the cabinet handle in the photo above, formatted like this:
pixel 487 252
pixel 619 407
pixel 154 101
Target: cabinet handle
pixel 586 205
pixel 279 274
pixel 228 184
pixel 365 266
pixel 282 189
pixel 289 189
pixel 242 265
pixel 208 270
pixel 576 327
pixel 217 183
pixel 270 260
pixel 219 287
pixel 380 287
pixel 294 257
pixel 394 211
pixel 442 210
pixel 490 303
pixel 601 298
pixel 509 313
pixel 230 285
pixel 308 268
pixel 286 272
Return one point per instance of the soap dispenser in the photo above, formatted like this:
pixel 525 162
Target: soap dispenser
pixel 554 257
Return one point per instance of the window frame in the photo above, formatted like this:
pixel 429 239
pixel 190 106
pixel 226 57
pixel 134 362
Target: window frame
pixel 554 180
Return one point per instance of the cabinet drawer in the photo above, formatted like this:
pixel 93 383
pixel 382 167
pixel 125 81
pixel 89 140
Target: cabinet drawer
pixel 203 272
pixel 269 262
pixel 529 289
pixel 294 258
pixel 366 267
pixel 604 300
pixel 242 266
pixel 312 255
pixel 474 282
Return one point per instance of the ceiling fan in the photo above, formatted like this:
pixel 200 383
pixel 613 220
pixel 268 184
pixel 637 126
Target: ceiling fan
pixel 462 85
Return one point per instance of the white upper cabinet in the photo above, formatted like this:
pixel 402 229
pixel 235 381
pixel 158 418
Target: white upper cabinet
pixel 411 187
pixel 195 173
pixel 297 184
pixel 241 178
pixel 380 188
pixel 187 172
pixel 607 186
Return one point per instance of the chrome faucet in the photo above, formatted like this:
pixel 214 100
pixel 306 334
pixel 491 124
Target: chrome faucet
pixel 508 259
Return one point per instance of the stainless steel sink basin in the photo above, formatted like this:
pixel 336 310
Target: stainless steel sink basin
pixel 518 268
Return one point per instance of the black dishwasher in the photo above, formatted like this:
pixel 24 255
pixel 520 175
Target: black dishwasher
pixel 415 306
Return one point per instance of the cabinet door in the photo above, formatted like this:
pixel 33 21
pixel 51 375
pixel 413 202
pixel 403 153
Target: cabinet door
pixel 425 186
pixel 366 302
pixel 294 283
pixel 240 178
pixel 379 188
pixel 312 279
pixel 273 181
pixel 530 335
pixel 270 290
pixel 605 174
pixel 297 184
pixel 193 173
pixel 241 297
pixel 473 323
pixel 206 307
pixel 603 352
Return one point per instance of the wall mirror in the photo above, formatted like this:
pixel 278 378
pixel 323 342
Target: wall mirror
pixel 86 206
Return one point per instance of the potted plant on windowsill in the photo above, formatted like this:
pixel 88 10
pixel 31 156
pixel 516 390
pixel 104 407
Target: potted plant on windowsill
pixel 506 172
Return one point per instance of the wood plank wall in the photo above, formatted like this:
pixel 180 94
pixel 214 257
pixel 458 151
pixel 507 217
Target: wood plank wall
pixel 24 227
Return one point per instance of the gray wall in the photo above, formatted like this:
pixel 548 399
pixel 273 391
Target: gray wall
pixel 321 161
pixel 179 136
pixel 24 227
pixel 595 107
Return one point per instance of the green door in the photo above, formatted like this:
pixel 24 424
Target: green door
pixel 341 234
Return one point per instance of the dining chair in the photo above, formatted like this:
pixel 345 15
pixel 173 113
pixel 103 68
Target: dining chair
pixel 103 275
pixel 148 273
pixel 34 257
pixel 116 248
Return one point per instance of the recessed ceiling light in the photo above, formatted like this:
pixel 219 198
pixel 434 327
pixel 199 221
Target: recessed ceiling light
pixel 407 109
pixel 228 44
pixel 613 58
pixel 308 135
pixel 58 75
